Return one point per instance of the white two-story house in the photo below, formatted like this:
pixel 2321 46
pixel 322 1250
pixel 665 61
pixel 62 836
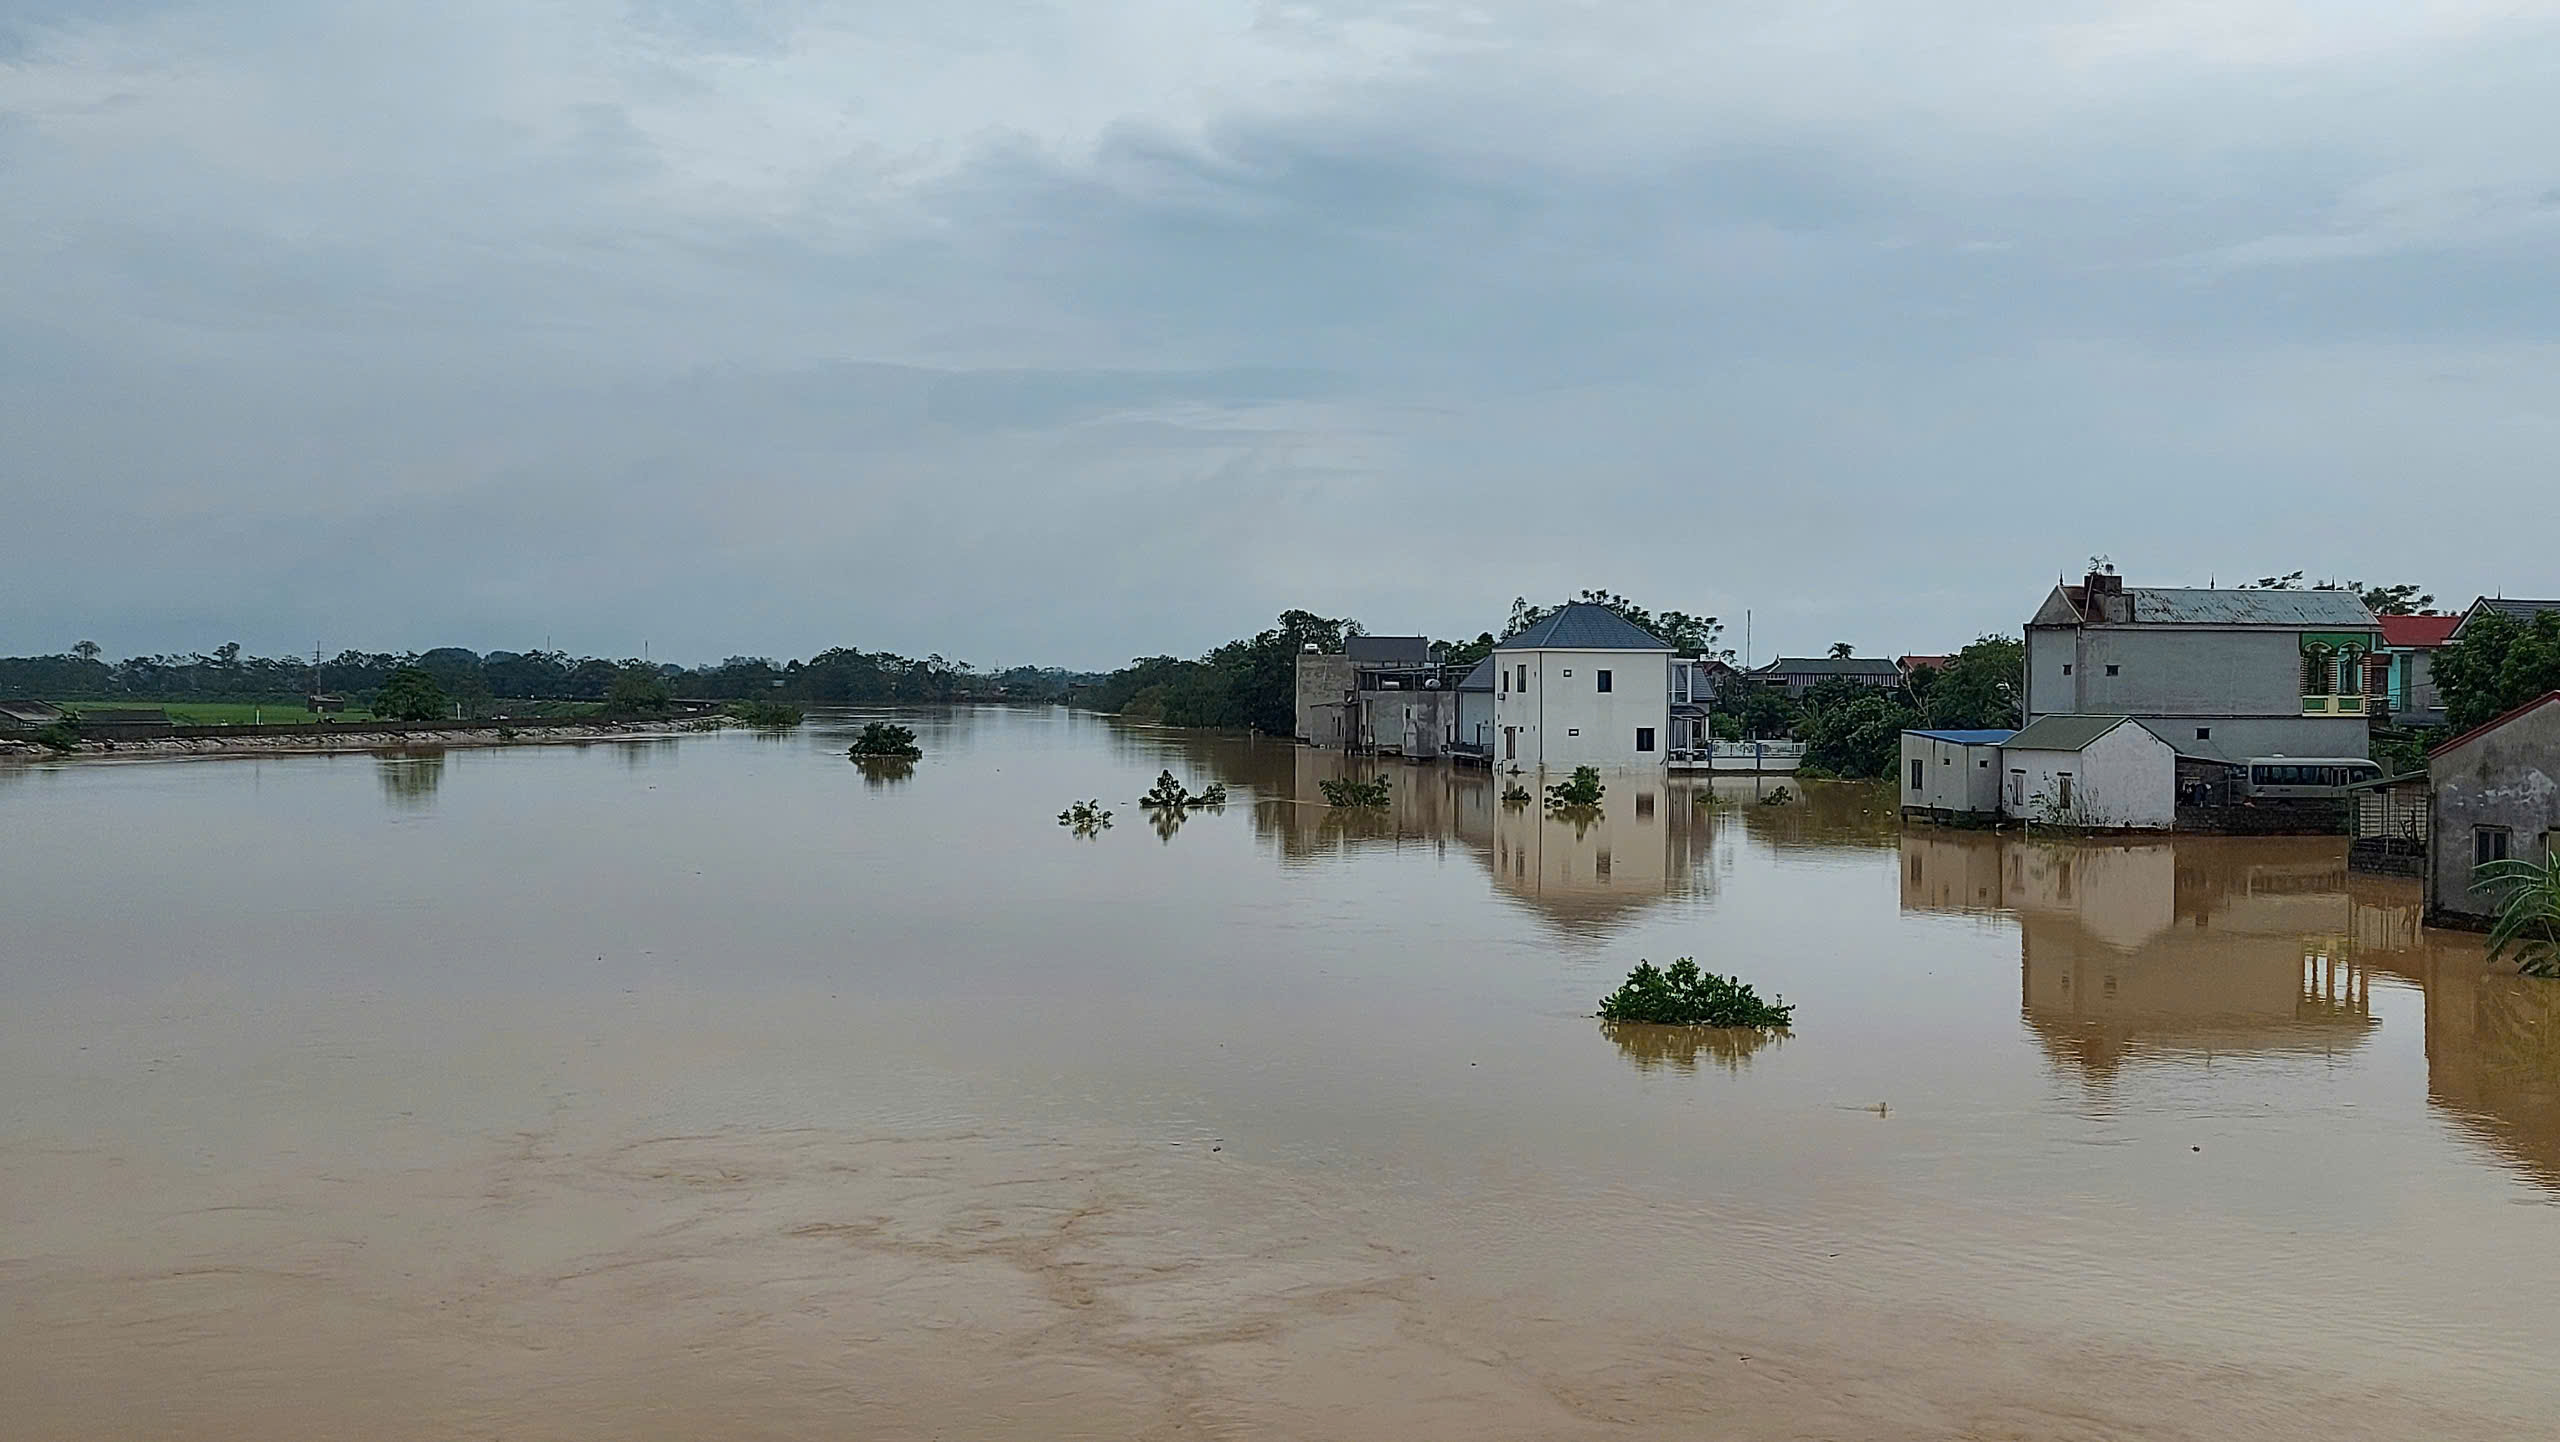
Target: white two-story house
pixel 1584 687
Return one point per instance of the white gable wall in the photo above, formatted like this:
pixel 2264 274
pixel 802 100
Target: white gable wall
pixel 2127 778
pixel 1561 719
pixel 1953 776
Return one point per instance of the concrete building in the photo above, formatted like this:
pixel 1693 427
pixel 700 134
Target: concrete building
pixel 1584 687
pixel 1952 775
pixel 1383 693
pixel 1799 674
pixel 2224 674
pixel 1475 713
pixel 2101 773
pixel 28 715
pixel 2407 680
pixel 2496 797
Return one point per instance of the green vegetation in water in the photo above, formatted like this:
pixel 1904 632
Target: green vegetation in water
pixel 1355 793
pixel 1582 792
pixel 1778 796
pixel 773 715
pixel 1682 995
pixel 1516 794
pixel 1086 818
pixel 885 741
pixel 1171 795
pixel 2528 925
pixel 409 693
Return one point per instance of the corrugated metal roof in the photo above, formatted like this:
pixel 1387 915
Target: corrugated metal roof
pixel 2521 612
pixel 1388 650
pixel 1582 626
pixel 2064 733
pixel 2197 606
pixel 1830 666
pixel 1966 738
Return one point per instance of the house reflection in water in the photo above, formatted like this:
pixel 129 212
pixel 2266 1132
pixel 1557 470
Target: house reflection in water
pixel 2196 948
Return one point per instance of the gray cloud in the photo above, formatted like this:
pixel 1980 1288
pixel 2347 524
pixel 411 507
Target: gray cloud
pixel 1070 333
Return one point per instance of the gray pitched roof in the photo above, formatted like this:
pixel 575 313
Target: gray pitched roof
pixel 1831 666
pixel 1480 678
pixel 1966 738
pixel 1388 650
pixel 1582 626
pixel 2197 606
pixel 2521 611
pixel 2065 733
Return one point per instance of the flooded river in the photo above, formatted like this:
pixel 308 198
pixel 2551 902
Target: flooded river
pixel 719 1088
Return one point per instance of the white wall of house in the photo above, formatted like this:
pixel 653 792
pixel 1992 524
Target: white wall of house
pixel 1942 775
pixel 1550 713
pixel 2127 778
pixel 1475 717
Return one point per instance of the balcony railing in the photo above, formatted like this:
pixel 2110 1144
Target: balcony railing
pixel 2333 705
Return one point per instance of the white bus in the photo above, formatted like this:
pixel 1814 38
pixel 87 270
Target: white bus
pixel 2305 778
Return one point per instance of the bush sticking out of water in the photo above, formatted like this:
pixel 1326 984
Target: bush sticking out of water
pixel 1354 793
pixel 883 740
pixel 1172 795
pixel 1584 790
pixel 1682 995
pixel 1086 818
pixel 1778 796
pixel 773 715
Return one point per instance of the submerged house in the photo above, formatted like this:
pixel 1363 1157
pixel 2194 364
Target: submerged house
pixel 28 715
pixel 1475 713
pixel 1584 687
pixel 2227 674
pixel 1379 693
pixel 2101 773
pixel 1952 775
pixel 2495 793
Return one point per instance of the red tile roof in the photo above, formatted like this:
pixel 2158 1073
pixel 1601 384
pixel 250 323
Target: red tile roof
pixel 2418 632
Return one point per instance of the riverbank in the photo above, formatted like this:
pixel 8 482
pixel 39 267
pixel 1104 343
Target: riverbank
pixel 268 741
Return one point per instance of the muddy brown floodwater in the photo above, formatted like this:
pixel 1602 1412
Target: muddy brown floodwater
pixel 720 1088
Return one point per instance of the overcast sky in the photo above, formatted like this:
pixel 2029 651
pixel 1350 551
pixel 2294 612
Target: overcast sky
pixel 1067 332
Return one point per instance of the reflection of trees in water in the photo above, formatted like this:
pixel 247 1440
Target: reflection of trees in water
pixel 1679 1047
pixel 410 780
pixel 881 772
pixel 647 751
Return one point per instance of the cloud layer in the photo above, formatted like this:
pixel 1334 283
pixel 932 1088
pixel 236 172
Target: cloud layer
pixel 1024 331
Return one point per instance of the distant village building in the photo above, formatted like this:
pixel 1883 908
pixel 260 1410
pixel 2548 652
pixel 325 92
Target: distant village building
pixel 1584 687
pixel 2520 612
pixel 2101 773
pixel 1908 664
pixel 20 716
pixel 1799 674
pixel 1952 775
pixel 1475 713
pixel 2496 797
pixel 2406 682
pixel 2230 674
pixel 1379 693
pixel 1695 682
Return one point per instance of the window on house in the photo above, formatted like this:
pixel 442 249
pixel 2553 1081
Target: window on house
pixel 1644 738
pixel 2018 789
pixel 1984 763
pixel 2204 733
pixel 2062 789
pixel 1568 670
pixel 1916 774
pixel 2066 668
pixel 1604 680
pixel 1573 730
pixel 2489 843
pixel 1503 674
pixel 1521 682
pixel 2115 670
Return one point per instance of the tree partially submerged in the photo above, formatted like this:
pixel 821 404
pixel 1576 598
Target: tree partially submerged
pixel 770 715
pixel 1682 995
pixel 1581 793
pixel 1171 795
pixel 883 740
pixel 1356 793
pixel 1086 818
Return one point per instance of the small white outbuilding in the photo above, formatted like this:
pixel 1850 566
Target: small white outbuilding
pixel 2105 773
pixel 1952 775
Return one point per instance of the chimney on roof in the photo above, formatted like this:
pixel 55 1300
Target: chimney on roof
pixel 2103 595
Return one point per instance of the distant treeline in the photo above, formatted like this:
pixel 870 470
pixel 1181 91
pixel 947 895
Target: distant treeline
pixel 1245 685
pixel 838 677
